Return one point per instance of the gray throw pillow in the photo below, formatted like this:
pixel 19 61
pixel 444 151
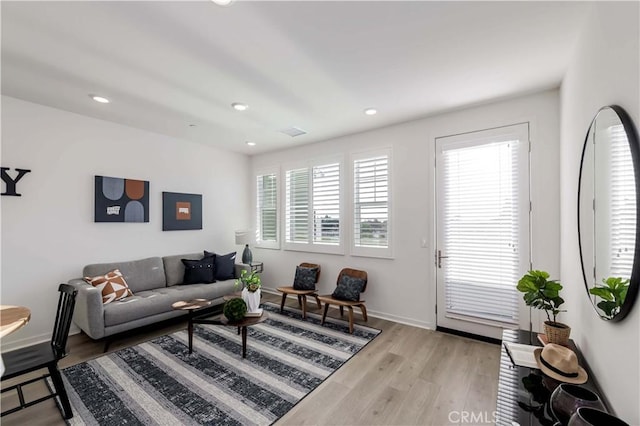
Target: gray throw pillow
pixel 349 288
pixel 305 278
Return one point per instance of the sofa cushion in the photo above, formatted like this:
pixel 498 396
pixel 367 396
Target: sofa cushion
pixel 174 268
pixel 112 285
pixel 199 271
pixel 153 302
pixel 140 275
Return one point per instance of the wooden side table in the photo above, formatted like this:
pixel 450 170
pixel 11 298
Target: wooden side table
pixel 13 318
pixel 257 267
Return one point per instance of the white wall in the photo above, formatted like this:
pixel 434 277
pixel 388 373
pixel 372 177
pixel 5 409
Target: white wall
pixel 604 70
pixel 48 234
pixel 403 289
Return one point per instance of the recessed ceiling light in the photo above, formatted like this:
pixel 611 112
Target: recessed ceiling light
pixel 239 107
pixel 251 143
pixel 223 2
pixel 100 99
pixel 371 111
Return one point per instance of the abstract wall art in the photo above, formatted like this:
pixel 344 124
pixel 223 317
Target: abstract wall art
pixel 121 200
pixel 181 211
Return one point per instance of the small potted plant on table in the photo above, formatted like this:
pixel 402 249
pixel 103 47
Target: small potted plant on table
pixel 542 293
pixel 250 282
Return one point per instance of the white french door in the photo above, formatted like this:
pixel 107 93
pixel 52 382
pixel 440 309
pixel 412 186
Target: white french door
pixel 482 234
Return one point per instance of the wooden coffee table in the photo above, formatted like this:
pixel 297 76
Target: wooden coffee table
pixel 242 327
pixel 192 306
pixel 199 314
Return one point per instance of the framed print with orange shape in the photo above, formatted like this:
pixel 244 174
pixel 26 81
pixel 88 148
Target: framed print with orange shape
pixel 181 211
pixel 121 200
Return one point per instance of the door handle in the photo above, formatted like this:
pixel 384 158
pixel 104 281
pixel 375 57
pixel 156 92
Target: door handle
pixel 440 257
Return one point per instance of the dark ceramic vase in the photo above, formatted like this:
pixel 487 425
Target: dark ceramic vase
pixel 567 398
pixel 586 416
pixel 247 256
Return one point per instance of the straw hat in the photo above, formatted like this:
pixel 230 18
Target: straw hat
pixel 560 363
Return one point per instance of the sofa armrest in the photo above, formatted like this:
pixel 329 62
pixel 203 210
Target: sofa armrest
pixel 242 267
pixel 89 311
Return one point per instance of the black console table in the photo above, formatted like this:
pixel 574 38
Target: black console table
pixel 523 393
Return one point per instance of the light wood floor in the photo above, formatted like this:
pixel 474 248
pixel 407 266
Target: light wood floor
pixel 406 376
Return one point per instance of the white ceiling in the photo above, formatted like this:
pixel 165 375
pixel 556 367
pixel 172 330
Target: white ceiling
pixel 313 65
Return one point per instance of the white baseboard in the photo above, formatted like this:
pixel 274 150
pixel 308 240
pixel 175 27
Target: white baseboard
pixel 382 315
pixel 27 341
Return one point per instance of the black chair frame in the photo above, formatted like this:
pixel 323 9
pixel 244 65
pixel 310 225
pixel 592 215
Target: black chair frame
pixel 44 355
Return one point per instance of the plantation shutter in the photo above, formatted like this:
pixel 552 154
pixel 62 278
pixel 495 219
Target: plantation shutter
pixel 481 237
pixel 371 202
pixel 622 206
pixel 326 204
pixel 297 206
pixel 267 204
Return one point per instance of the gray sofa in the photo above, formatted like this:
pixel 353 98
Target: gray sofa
pixel 156 284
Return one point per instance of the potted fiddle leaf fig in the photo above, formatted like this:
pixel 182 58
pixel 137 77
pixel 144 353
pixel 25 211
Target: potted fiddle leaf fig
pixel 612 293
pixel 542 293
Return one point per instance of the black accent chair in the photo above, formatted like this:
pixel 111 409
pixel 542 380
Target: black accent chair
pixel 44 355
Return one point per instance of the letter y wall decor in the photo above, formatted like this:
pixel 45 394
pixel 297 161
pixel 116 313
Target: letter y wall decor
pixel 121 200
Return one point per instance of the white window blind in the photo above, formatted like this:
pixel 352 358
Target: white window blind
pixel 266 215
pixel 481 231
pixel 313 210
pixel 326 204
pixel 297 206
pixel 623 205
pixel 371 202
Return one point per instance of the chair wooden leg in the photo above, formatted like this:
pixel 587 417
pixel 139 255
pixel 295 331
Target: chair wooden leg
pixel 58 384
pixel 318 301
pixel 324 315
pixel 341 310
pixel 284 298
pixel 350 319
pixel 304 306
pixel 364 312
pixel 299 301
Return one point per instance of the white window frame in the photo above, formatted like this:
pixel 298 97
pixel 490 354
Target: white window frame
pixel 309 245
pixel 379 252
pixel 259 242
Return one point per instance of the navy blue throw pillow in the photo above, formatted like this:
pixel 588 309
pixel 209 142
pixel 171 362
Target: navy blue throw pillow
pixel 349 288
pixel 225 265
pixel 199 271
pixel 305 278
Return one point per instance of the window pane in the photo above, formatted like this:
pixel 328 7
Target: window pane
pixel 371 202
pixel 326 204
pixel 481 228
pixel 267 215
pixel 297 205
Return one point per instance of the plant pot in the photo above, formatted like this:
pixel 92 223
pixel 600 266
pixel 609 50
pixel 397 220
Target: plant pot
pixel 557 332
pixel 252 299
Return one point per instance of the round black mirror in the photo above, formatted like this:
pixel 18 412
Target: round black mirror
pixel 608 213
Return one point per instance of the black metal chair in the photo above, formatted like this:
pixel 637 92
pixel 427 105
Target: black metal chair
pixel 44 355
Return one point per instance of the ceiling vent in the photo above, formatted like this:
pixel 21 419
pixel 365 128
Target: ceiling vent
pixel 293 132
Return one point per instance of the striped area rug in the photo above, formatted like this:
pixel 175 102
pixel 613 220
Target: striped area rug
pixel 158 382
